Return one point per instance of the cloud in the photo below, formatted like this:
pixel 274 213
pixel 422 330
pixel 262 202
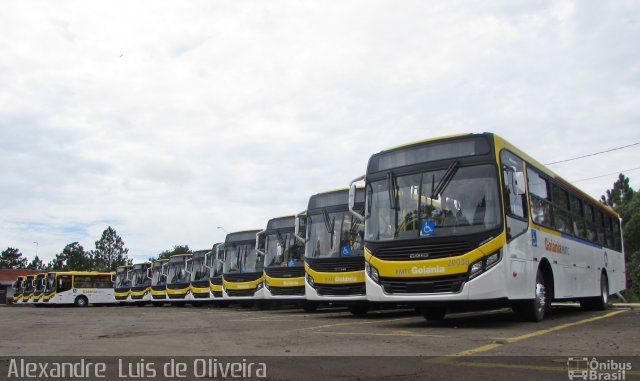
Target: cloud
pixel 166 121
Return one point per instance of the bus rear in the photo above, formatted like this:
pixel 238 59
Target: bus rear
pixel 334 256
pixel 242 278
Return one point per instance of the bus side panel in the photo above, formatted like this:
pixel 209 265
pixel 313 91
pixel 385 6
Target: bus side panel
pixel 521 270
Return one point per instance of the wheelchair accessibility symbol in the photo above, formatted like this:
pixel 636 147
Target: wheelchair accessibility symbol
pixel 346 251
pixel 428 228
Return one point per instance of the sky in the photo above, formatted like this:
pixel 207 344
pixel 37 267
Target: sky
pixel 166 120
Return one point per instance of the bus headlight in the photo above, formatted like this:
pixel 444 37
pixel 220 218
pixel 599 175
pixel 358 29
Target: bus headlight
pixel 372 271
pixel 310 281
pixel 484 264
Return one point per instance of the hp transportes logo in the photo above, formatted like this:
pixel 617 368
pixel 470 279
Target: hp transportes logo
pixel 583 368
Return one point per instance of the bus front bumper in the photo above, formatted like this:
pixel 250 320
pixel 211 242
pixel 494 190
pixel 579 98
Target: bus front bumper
pixel 312 294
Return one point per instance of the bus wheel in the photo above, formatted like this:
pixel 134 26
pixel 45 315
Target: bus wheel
pixel 534 309
pixel 359 309
pixel 435 313
pixel 600 302
pixel 81 301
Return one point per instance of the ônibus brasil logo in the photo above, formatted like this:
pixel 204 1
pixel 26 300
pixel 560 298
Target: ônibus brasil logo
pixel 583 368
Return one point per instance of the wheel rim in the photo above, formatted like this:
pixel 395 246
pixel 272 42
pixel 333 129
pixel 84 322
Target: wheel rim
pixel 541 295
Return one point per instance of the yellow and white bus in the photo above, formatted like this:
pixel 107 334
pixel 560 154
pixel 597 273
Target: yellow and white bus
pixel 38 288
pixel 334 251
pixel 28 288
pixel 123 284
pixel 284 261
pixel 178 280
pixel 199 269
pixel 471 218
pixel 140 280
pixel 18 289
pixel 217 268
pixel 79 288
pixel 159 282
pixel 242 277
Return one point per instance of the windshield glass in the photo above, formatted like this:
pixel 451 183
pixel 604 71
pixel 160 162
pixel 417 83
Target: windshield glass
pixel 28 284
pixel 283 249
pixel 122 280
pixel 199 271
pixel 337 234
pixel 177 273
pixel 242 258
pixel 158 278
pixel 403 207
pixel 218 264
pixel 39 284
pixel 139 278
pixel 19 285
pixel 51 283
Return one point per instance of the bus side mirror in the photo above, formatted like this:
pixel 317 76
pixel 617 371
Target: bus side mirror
pixel 259 242
pixel 352 198
pixel 296 225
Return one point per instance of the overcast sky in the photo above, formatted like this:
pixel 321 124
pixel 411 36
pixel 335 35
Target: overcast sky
pixel 167 119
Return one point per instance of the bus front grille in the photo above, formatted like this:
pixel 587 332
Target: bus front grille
pixel 341 289
pixel 241 292
pixel 426 251
pixel 287 291
pixel 285 272
pixel 338 264
pixel 430 285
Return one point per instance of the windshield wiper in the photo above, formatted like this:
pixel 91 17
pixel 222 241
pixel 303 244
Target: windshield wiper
pixel 392 188
pixel 446 179
pixel 328 223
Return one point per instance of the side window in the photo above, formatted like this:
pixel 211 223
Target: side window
pixel 64 283
pixel 539 198
pixel 599 222
pixel 591 227
pixel 579 226
pixel 561 217
pixel 512 170
pixel 617 240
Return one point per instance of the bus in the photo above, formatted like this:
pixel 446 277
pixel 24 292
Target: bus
pixel 472 220
pixel 242 276
pixel 159 282
pixel 38 288
pixel 178 280
pixel 283 261
pixel 334 251
pixel 199 269
pixel 28 288
pixel 79 288
pixel 140 281
pixel 215 278
pixel 123 284
pixel 18 289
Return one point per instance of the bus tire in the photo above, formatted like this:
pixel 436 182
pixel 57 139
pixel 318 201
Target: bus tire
pixel 81 301
pixel 435 313
pixel 359 309
pixel 601 302
pixel 534 309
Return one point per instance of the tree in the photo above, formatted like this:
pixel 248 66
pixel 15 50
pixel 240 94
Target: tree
pixel 622 198
pixel 36 264
pixel 73 257
pixel 178 249
pixel 11 258
pixel 110 251
pixel 620 194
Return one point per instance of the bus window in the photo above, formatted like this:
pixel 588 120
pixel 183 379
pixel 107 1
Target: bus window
pixel 64 283
pixel 561 217
pixel 579 227
pixel 539 198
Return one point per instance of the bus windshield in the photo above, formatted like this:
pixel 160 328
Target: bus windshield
pixel 199 271
pixel 139 278
pixel 122 280
pixel 28 284
pixel 217 265
pixel 158 278
pixel 283 249
pixel 177 273
pixel 337 234
pixel 453 201
pixel 39 284
pixel 51 283
pixel 242 258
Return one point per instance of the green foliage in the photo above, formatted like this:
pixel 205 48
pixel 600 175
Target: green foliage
pixel 36 264
pixel 11 258
pixel 624 200
pixel 178 249
pixel 73 257
pixel 110 251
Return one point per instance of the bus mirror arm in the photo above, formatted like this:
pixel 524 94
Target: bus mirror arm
pixel 352 198
pixel 149 273
pixel 186 265
pixel 297 228
pixel 258 234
